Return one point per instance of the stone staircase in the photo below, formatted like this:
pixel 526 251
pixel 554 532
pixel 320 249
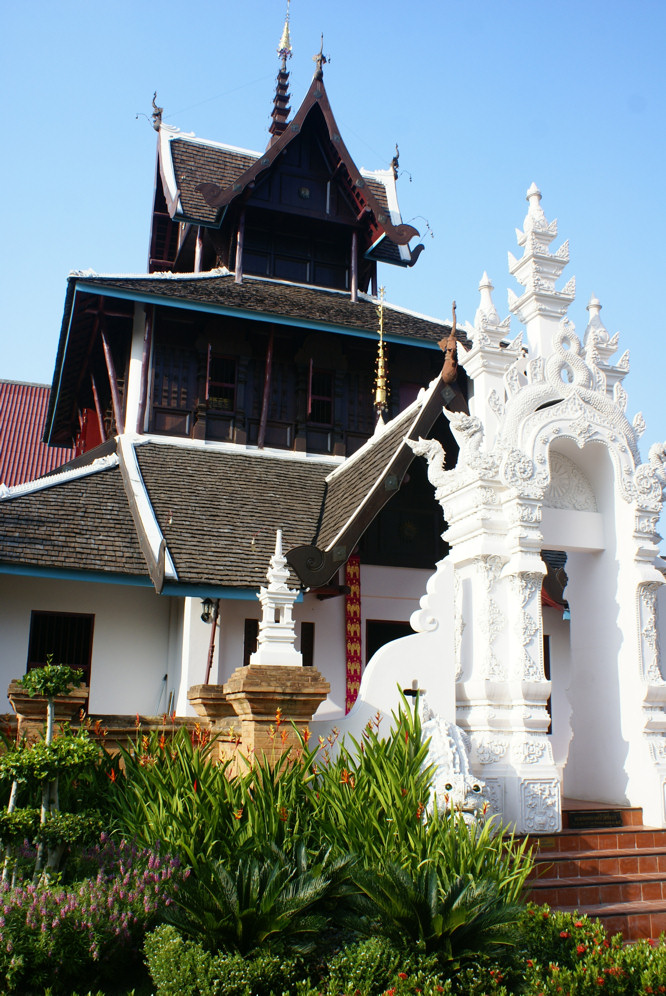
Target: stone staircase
pixel 607 864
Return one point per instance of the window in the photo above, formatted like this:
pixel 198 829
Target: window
pixel 64 636
pixel 250 637
pixel 221 392
pixel 307 643
pixel 320 407
pixel 381 631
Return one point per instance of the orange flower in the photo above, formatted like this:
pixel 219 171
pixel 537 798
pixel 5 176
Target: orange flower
pixel 98 726
pixel 162 741
pixel 238 814
pixel 344 777
pixel 112 775
pixel 305 733
pixel 419 811
pixel 283 736
pixel 278 716
pixel 144 742
pixel 283 814
pixel 137 721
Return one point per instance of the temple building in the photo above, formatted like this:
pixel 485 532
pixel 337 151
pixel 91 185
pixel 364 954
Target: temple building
pixel 253 379
pixel 252 410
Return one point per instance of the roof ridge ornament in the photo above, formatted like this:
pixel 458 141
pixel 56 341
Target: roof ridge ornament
pixel 157 113
pixel 281 108
pixel 320 61
pixel 284 49
pixel 381 365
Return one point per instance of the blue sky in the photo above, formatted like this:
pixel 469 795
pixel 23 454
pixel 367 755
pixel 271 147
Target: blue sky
pixel 483 97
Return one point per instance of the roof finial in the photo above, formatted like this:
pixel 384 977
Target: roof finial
pixel 280 112
pixel 284 49
pixel 157 113
pixel 320 61
pixel 381 364
pixel 395 162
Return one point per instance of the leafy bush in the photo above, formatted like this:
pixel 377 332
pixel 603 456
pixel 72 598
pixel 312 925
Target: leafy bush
pixel 376 964
pixel 181 967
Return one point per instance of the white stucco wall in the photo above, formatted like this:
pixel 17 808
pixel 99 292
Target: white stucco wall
pixel 130 653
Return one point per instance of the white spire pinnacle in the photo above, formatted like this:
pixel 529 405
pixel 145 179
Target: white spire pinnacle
pixel 600 346
pixel 541 307
pixel 277 637
pixel 486 313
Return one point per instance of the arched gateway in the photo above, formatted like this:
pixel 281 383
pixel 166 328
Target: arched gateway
pixel 548 461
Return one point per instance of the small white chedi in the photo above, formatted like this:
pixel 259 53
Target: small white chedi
pixel 552 706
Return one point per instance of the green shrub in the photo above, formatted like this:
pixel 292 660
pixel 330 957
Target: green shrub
pixel 376 964
pixel 181 967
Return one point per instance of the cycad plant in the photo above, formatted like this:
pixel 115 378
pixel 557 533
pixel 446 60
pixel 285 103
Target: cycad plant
pixel 455 919
pixel 268 900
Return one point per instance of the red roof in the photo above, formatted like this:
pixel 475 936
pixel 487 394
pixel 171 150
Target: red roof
pixel 23 455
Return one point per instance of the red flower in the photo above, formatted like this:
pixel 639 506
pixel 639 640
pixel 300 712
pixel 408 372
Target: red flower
pixel 112 775
pixel 402 975
pixel 564 933
pixel 578 923
pixel 530 963
pixel 581 949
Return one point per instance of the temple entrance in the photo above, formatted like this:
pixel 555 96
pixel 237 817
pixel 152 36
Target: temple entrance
pixel 589 748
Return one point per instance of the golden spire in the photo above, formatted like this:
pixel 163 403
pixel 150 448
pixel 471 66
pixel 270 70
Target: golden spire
pixel 284 45
pixel 381 365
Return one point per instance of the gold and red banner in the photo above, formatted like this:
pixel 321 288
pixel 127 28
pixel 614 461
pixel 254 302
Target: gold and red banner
pixel 353 629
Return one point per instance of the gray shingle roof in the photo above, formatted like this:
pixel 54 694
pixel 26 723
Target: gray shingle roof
pixel 218 511
pixel 80 524
pixel 197 162
pixel 314 305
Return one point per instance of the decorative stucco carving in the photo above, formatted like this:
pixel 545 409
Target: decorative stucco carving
pixel 531 750
pixel 496 404
pixel 459 623
pixel 658 748
pixel 495 794
pixel 489 750
pixel 649 649
pixel 540 805
pixel 569 487
pixel 492 617
pixel 657 458
pixel 528 623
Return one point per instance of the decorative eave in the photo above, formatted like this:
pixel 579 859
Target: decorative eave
pixel 220 197
pixel 341 528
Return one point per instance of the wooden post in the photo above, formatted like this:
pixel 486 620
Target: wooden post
pixel 145 364
pixel 267 393
pixel 198 251
pixel 354 267
pixel 115 394
pixel 211 644
pixel 98 408
pixel 240 238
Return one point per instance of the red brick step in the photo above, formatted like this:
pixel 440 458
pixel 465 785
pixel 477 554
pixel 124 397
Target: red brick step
pixel 615 873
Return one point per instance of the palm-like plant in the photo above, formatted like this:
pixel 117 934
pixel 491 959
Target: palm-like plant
pixel 262 901
pixel 455 920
